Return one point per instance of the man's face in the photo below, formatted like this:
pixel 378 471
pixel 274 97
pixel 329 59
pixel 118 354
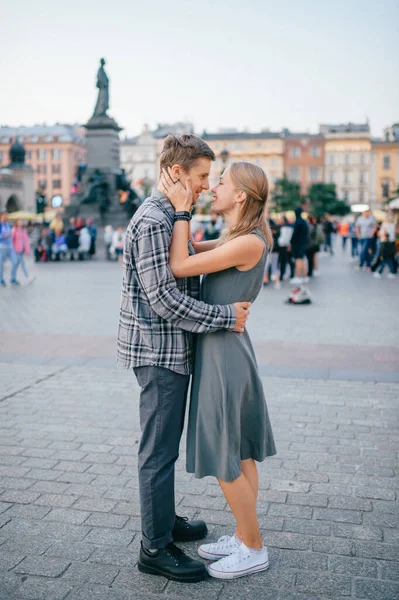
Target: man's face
pixel 199 174
pixel 4 218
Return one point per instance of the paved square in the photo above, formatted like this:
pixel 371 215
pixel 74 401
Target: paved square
pixel 328 503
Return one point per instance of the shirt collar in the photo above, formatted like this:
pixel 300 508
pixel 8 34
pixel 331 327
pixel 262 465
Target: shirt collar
pixel 163 201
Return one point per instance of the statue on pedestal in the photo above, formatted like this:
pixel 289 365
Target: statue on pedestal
pixel 103 94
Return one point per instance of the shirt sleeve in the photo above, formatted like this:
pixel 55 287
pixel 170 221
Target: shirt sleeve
pixel 150 250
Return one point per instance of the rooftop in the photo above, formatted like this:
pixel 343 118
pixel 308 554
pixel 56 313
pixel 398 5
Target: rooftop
pixel 47 133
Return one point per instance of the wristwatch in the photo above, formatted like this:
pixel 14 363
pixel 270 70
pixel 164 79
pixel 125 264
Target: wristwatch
pixel 182 215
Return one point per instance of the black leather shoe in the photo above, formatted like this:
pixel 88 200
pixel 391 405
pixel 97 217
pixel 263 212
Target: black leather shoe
pixel 172 563
pixel 188 531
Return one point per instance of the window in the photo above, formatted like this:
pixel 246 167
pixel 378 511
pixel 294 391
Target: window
pixel 29 155
pixel 295 152
pixel 42 154
pixel 42 169
pixel 331 177
pixel 43 183
pixel 331 159
pixel 56 184
pixel 362 159
pixel 386 162
pixel 361 196
pixel 362 179
pixel 56 154
pixel 346 178
pixel 345 194
pixel 314 174
pixel 294 174
pixel 315 151
pixel 385 190
pixel 56 169
pixel 347 159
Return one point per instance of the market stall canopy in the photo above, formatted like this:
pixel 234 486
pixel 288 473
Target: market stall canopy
pixel 394 204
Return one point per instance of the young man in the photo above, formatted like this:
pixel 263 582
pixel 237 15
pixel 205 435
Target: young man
pixel 158 318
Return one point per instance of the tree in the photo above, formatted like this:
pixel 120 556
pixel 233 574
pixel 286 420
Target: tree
pixel 323 198
pixel 287 195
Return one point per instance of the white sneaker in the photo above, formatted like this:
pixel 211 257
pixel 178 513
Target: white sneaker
pixel 223 547
pixel 242 562
pixel 316 273
pixel 277 285
pixel 296 280
pixel 306 280
pixel 391 276
pixel 376 275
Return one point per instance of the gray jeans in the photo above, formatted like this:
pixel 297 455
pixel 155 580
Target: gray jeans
pixel 162 408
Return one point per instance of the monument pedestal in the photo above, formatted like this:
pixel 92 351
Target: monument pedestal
pixel 103 153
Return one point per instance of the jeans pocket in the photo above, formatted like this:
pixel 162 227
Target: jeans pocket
pixel 142 374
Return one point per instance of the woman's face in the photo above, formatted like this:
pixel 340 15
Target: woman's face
pixel 224 194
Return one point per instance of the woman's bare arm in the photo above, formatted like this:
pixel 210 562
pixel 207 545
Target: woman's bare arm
pixel 242 252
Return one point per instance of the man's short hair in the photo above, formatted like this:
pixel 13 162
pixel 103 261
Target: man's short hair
pixel 184 150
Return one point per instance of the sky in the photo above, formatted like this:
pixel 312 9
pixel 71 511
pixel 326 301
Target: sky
pixel 244 64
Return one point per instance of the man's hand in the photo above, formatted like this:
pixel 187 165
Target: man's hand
pixel 242 314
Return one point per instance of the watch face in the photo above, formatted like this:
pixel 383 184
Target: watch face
pixel 56 201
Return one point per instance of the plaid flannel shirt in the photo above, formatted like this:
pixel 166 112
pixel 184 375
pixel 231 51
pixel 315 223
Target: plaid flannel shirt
pixel 159 314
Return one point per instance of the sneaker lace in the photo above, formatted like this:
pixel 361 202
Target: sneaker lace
pixel 223 541
pixel 233 559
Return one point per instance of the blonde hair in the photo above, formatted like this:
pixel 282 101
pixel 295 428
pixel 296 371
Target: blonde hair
pixel 252 180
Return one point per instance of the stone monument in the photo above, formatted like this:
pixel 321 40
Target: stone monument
pixel 102 178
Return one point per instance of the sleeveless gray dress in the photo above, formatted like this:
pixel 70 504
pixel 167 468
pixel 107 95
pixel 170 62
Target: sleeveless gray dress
pixel 228 417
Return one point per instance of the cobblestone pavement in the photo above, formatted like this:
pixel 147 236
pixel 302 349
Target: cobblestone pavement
pixel 328 501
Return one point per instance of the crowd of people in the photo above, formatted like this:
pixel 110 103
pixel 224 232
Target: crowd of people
pixel 297 245
pixel 75 242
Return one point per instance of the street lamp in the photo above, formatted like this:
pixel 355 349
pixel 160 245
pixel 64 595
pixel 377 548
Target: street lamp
pixel 224 155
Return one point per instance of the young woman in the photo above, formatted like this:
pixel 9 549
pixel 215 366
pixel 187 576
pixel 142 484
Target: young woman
pixel 21 244
pixel 229 426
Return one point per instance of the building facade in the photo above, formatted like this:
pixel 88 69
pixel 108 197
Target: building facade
pixel 385 167
pixel 348 161
pixel 139 156
pixel 304 158
pixel 53 152
pixel 265 149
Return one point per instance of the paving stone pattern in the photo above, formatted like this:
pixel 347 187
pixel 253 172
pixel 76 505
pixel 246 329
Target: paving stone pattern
pixel 69 513
pixel 69 430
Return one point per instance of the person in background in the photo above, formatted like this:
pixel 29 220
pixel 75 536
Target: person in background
pixel 59 247
pixel 72 239
pixel 6 248
pixel 366 227
pixel 118 242
pixel 275 255
pixel 57 225
pixel 354 239
pixel 41 246
pixel 299 243
pixel 328 228
pixel 284 241
pixel 84 242
pixel 93 235
pixel 108 233
pixel 21 244
pixel 313 245
pixel 344 227
pixel 387 254
pixel 212 231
